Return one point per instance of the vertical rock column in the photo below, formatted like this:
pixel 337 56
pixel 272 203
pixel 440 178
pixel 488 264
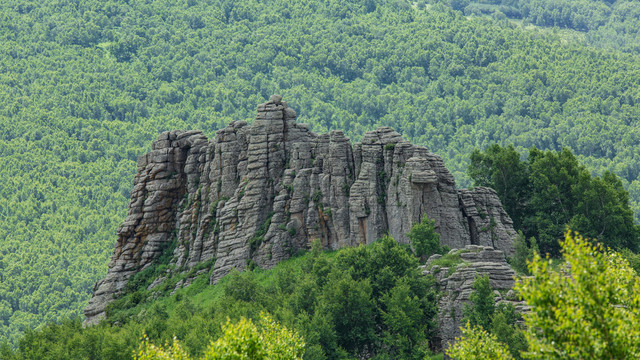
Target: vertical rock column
pixel 335 180
pixel 249 208
pixel 285 228
pixel 489 224
pixel 368 195
pixel 192 209
pixel 397 184
pixel 149 229
pixel 400 193
pixel 434 194
pixel 224 164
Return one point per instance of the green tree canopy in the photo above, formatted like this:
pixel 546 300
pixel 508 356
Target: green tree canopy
pixel 424 239
pixel 87 85
pixel 552 190
pixel 239 341
pixel 499 320
pixel 477 344
pixel 589 309
pixel 367 301
pixel 501 169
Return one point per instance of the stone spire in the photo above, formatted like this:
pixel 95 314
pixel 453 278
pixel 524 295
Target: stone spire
pixel 259 193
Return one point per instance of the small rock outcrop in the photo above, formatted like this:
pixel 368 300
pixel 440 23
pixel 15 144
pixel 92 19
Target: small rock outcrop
pixel 259 193
pixel 456 285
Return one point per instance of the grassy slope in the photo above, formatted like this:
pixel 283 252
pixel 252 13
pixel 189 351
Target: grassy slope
pixel 346 304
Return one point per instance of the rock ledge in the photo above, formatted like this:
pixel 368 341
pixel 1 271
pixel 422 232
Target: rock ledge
pixel 457 285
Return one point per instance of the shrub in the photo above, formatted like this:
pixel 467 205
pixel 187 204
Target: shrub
pixel 424 239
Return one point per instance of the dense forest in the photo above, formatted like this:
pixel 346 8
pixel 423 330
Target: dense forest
pixel 365 302
pixel 85 85
pixel 604 23
pixel 353 303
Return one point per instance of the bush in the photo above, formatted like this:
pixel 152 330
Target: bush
pixel 480 313
pixel 589 310
pixel 424 239
pixel 358 302
pixel 242 340
pixel 498 320
pixel 523 253
pixel 477 344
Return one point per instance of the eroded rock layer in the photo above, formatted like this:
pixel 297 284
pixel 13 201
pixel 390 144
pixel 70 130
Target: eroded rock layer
pixel 259 193
pixel 457 285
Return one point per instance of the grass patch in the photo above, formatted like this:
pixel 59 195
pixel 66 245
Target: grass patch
pixel 199 292
pixel 136 297
pixel 450 260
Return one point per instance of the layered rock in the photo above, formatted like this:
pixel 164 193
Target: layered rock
pixel 256 194
pixel 456 285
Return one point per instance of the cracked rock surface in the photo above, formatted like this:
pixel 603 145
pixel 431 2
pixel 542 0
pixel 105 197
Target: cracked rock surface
pixel 457 285
pixel 259 193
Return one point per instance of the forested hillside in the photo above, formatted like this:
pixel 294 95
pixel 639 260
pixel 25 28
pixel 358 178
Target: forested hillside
pixel 353 303
pixel 606 23
pixel 85 85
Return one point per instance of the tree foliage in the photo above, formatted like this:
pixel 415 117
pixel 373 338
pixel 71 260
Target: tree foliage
pixel 480 313
pixel 239 341
pixel 523 253
pixel 477 344
pixel 424 239
pixel 607 23
pixel 590 309
pixel 501 169
pixel 86 85
pixel 552 190
pixel 365 301
pixel 500 320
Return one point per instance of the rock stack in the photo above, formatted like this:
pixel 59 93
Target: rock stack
pixel 456 285
pixel 259 193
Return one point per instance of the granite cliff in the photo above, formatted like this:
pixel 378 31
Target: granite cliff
pixel 256 194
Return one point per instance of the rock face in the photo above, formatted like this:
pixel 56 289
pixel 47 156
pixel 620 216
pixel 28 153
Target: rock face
pixel 259 193
pixel 457 286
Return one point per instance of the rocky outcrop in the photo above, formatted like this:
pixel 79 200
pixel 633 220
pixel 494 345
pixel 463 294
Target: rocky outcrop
pixel 256 194
pixel 456 285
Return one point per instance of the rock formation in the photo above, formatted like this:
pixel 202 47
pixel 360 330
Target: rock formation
pixel 259 193
pixel 456 285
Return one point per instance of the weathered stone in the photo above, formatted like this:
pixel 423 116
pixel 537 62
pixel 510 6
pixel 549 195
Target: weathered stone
pixel 457 287
pixel 276 99
pixel 265 191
